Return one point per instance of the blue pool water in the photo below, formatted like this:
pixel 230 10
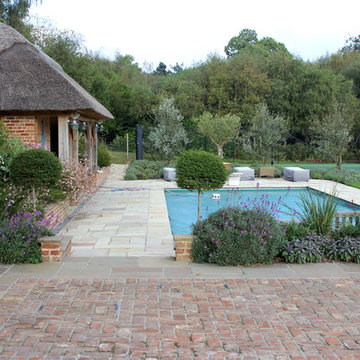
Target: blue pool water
pixel 182 204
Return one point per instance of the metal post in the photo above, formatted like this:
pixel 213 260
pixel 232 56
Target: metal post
pixel 139 147
pixel 127 147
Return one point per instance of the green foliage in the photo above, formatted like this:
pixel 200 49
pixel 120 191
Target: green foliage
pixel 332 135
pixel 345 176
pixel 104 157
pixel 307 249
pixel 294 230
pixel 233 236
pixel 19 236
pixel 266 133
pixel 317 214
pixel 169 135
pixel 350 230
pixel 343 249
pixel 9 148
pixel 220 129
pixel 200 170
pixel 237 43
pixel 145 169
pixel 14 13
pixel 35 168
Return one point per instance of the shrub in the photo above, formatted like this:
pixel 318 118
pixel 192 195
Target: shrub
pixel 35 168
pixel 200 170
pixel 350 230
pixel 19 236
pixel 343 249
pixel 303 250
pixel 76 181
pixel 294 230
pixel 145 169
pixel 279 170
pixel 104 157
pixel 234 236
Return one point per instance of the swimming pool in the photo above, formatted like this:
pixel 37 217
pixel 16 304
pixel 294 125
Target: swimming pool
pixel 182 204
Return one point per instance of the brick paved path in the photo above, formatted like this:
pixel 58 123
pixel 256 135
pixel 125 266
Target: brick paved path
pixel 181 319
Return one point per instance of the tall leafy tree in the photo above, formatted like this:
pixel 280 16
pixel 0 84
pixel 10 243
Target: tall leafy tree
pixel 266 133
pixel 14 12
pixel 333 135
pixel 237 43
pixel 352 44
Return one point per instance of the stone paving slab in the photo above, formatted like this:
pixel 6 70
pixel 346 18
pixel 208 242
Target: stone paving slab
pixel 181 319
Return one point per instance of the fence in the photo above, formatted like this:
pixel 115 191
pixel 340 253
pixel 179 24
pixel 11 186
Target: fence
pixel 344 218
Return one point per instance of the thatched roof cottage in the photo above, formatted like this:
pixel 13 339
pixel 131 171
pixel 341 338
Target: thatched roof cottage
pixel 40 103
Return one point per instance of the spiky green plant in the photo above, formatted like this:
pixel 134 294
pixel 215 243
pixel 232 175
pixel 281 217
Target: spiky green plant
pixel 318 214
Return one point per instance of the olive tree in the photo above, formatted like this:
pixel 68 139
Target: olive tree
pixel 265 134
pixel 169 136
pixel 199 170
pixel 333 135
pixel 219 129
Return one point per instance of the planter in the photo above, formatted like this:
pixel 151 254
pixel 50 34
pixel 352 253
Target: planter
pixel 227 165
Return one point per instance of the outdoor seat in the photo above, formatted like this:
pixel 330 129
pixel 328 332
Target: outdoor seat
pixel 296 174
pixel 169 174
pixel 267 172
pixel 247 173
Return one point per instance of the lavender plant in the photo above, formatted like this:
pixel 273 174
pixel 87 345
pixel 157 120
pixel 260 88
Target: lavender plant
pixel 19 235
pixel 236 235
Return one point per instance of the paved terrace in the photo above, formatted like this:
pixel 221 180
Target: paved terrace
pixel 151 307
pixel 129 218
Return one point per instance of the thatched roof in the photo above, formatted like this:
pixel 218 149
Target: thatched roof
pixel 30 81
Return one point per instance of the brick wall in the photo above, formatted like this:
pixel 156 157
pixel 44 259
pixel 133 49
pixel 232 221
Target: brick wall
pixel 183 247
pixel 58 212
pixel 21 126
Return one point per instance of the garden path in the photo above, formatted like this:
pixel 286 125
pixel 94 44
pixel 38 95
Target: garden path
pixel 123 218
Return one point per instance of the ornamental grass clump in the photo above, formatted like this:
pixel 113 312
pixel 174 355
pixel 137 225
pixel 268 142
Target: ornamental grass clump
pixel 19 235
pixel 245 235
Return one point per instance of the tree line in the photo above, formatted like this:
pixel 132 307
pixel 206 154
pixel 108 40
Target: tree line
pixel 253 71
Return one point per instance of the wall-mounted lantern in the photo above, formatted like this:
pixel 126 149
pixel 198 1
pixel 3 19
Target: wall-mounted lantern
pixel 72 120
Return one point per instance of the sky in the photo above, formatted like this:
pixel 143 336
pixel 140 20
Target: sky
pixel 187 31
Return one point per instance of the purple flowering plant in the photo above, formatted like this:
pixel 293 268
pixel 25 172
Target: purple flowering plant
pixel 19 235
pixel 244 232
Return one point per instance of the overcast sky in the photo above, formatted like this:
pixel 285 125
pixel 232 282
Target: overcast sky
pixel 186 31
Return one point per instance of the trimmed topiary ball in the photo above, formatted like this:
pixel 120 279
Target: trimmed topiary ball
pixel 35 168
pixel 200 170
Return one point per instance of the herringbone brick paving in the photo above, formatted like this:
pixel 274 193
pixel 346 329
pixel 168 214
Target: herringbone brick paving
pixel 181 319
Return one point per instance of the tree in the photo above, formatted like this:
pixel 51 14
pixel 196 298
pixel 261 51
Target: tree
pixel 169 136
pixel 199 170
pixel 237 43
pixel 161 69
pixel 353 44
pixel 332 135
pixel 266 133
pixel 14 12
pixel 219 129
